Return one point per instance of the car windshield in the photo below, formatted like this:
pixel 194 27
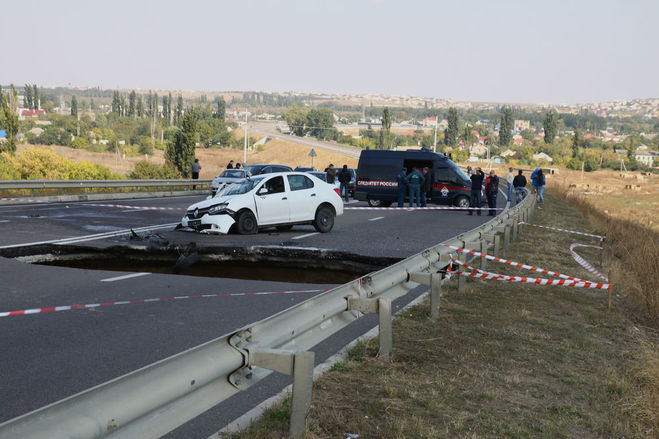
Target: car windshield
pixel 243 187
pixel 458 171
pixel 254 169
pixel 232 173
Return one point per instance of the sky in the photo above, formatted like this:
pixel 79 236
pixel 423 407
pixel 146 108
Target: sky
pixel 510 51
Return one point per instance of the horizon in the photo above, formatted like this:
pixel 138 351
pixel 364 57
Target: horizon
pixel 511 52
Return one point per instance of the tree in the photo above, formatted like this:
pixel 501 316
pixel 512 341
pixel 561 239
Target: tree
pixel 320 123
pixel 550 127
pixel 116 103
pixel 296 118
pixel 74 107
pixel 451 133
pixel 577 142
pixel 27 96
pixel 467 136
pixel 35 97
pixel 506 127
pixel 180 153
pixel 179 111
pixel 386 128
pixel 10 120
pixel 132 104
pixel 221 108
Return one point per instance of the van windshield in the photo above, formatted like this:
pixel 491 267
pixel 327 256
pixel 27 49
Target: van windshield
pixel 460 173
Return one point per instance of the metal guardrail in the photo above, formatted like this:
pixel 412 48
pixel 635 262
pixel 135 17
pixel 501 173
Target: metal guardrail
pixel 92 184
pixel 156 399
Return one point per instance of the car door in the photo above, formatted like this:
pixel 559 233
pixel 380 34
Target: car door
pixel 303 197
pixel 441 192
pixel 272 202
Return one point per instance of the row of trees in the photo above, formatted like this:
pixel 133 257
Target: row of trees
pixel 317 122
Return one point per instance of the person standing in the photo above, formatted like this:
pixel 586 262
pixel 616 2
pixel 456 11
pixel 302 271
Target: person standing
pixel 540 178
pixel 237 165
pixel 331 173
pixel 426 190
pixel 491 191
pixel 509 179
pixel 476 186
pixel 344 179
pixel 415 179
pixel 401 178
pixel 230 165
pixel 520 183
pixel 194 170
pixel 534 181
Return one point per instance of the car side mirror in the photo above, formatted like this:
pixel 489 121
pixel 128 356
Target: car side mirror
pixel 262 191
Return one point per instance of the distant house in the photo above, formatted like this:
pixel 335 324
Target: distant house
pixel 542 156
pixel 429 122
pixel 478 150
pixel 518 141
pixel 590 136
pixel 36 131
pixel 521 125
pixel 27 114
pixel 645 156
pixel 508 153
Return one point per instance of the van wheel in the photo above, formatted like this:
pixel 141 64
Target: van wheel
pixel 324 220
pixel 462 201
pixel 375 203
pixel 246 223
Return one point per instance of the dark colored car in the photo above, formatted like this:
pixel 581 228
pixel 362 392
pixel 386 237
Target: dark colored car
pixel 265 168
pixel 305 169
pixel 377 172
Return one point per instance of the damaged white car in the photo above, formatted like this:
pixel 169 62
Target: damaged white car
pixel 275 200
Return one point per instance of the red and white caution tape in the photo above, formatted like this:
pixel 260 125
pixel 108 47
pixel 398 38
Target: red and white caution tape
pixel 531 280
pixel 425 208
pixel 581 261
pixel 124 206
pixel 562 230
pixel 158 299
pixel 513 263
pixel 23 200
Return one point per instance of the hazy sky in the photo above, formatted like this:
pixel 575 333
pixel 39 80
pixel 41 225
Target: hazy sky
pixel 556 51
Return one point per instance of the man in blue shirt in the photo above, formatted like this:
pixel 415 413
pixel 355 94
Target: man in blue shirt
pixel 401 178
pixel 415 180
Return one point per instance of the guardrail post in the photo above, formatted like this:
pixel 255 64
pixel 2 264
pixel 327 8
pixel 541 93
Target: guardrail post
pixel 381 306
pixel 483 248
pixel 300 365
pixel 505 230
pixel 434 281
pixel 462 280
pixel 496 242
pixel 515 228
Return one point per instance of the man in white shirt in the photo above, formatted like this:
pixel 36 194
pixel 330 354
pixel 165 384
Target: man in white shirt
pixel 509 178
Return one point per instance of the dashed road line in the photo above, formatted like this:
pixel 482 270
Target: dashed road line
pixel 376 218
pixel 127 276
pixel 304 236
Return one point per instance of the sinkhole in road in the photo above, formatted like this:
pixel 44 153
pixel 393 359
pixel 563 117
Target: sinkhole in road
pixel 265 264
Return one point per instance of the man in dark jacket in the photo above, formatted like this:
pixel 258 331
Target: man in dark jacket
pixel 519 182
pixel 426 189
pixel 331 173
pixel 491 191
pixel 401 178
pixel 416 180
pixel 344 179
pixel 476 187
pixel 230 165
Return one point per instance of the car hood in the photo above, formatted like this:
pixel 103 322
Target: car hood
pixel 228 179
pixel 212 202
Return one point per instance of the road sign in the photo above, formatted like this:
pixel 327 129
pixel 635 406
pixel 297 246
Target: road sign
pixel 312 153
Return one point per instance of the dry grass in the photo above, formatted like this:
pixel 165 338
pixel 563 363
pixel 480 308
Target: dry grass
pixel 503 360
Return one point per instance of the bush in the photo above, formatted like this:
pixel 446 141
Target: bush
pixel 79 142
pixel 145 145
pixel 147 170
pixel 44 163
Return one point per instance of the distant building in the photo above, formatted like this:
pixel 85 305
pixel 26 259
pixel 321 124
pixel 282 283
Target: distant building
pixel 24 113
pixel 542 156
pixel 645 156
pixel 521 125
pixel 429 122
pixel 508 153
pixel 478 150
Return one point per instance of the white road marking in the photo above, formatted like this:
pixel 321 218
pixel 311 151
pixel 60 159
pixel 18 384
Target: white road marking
pixel 84 238
pixel 376 218
pixel 4 221
pixel 351 201
pixel 128 276
pixel 131 210
pixel 304 236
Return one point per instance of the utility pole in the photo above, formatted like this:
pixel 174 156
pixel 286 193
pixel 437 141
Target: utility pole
pixel 245 149
pixel 434 146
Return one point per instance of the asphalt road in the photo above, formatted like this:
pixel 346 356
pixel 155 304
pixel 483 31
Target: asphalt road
pixel 49 356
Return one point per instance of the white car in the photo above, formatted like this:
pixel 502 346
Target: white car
pixel 273 200
pixel 227 177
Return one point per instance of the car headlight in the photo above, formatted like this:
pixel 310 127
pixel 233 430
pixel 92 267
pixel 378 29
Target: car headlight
pixel 219 209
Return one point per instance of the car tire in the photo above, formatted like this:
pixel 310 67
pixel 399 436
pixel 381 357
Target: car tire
pixel 324 220
pixel 285 228
pixel 375 203
pixel 461 201
pixel 246 223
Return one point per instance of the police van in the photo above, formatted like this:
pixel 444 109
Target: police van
pixel 376 182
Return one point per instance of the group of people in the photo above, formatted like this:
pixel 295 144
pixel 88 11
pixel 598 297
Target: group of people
pixel 230 165
pixel 344 176
pixel 491 191
pixel 417 183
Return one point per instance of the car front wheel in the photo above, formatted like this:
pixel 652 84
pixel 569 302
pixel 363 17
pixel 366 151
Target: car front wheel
pixel 246 223
pixel 462 201
pixel 324 220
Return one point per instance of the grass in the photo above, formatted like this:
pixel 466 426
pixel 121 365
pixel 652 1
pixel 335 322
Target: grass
pixel 502 360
